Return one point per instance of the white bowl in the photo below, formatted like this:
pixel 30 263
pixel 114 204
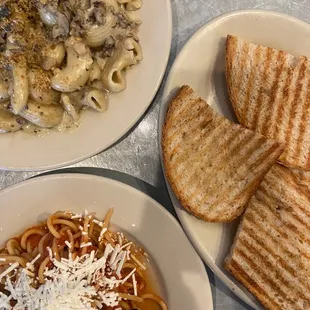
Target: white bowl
pixel 22 151
pixel 184 281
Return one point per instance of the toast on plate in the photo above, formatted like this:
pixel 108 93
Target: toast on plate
pixel 270 93
pixel 214 166
pixel 271 254
pixel 303 178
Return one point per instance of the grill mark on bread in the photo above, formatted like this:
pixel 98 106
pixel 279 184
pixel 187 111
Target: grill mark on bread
pixel 264 247
pixel 262 196
pixel 184 157
pixel 235 149
pixel 287 181
pixel 302 127
pixel 232 161
pixel 303 178
pixel 187 92
pixel 296 102
pixel 276 107
pixel 236 269
pixel 183 120
pixel 301 282
pixel 200 166
pixel 264 276
pixel 280 231
pixel 278 238
pixel 196 159
pixel 274 90
pixel 258 107
pixel 250 82
pixel 283 105
pixel 279 102
pixel 266 264
pixel 252 177
pixel 194 130
pixel 243 58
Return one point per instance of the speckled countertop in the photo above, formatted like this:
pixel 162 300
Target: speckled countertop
pixel 136 154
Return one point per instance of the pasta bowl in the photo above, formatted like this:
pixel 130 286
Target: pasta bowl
pixel 180 277
pixel 96 131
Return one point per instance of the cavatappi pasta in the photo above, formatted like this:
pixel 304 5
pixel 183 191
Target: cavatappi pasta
pixel 58 57
pixel 74 261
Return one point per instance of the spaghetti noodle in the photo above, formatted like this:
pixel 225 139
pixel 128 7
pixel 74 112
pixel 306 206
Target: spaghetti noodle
pixel 74 261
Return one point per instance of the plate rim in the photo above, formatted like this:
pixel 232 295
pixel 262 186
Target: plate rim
pixel 133 191
pixel 234 288
pixel 116 139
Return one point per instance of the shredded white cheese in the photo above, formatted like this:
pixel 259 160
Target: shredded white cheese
pixel 7 271
pixel 68 285
pixel 98 222
pixel 84 245
pixel 35 259
pixel 86 282
pixel 68 244
pixel 134 283
pixel 102 232
pixel 76 216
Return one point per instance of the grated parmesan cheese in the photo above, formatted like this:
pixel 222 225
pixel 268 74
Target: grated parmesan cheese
pixel 102 232
pixel 98 222
pixel 68 244
pixel 68 284
pixel 85 282
pixel 84 245
pixel 134 283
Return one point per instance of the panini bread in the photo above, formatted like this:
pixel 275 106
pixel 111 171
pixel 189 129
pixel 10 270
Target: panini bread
pixel 303 178
pixel 271 253
pixel 270 93
pixel 213 165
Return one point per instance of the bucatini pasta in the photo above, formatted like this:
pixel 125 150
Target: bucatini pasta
pixel 63 56
pixel 74 261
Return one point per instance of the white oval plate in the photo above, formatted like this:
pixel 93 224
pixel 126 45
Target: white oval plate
pixel 184 279
pixel 21 151
pixel 201 64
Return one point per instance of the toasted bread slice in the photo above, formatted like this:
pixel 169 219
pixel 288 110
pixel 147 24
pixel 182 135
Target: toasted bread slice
pixel 303 178
pixel 270 92
pixel 213 165
pixel 271 253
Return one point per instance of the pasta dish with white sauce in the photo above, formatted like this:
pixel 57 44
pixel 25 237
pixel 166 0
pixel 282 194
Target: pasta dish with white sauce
pixel 74 261
pixel 58 57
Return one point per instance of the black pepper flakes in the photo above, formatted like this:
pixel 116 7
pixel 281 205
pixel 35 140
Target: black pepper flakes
pixel 4 12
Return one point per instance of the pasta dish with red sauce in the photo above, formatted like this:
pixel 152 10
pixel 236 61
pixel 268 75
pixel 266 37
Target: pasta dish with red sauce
pixel 74 261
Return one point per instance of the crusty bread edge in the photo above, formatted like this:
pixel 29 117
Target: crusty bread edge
pixel 188 90
pixel 167 170
pixel 230 48
pixel 286 164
